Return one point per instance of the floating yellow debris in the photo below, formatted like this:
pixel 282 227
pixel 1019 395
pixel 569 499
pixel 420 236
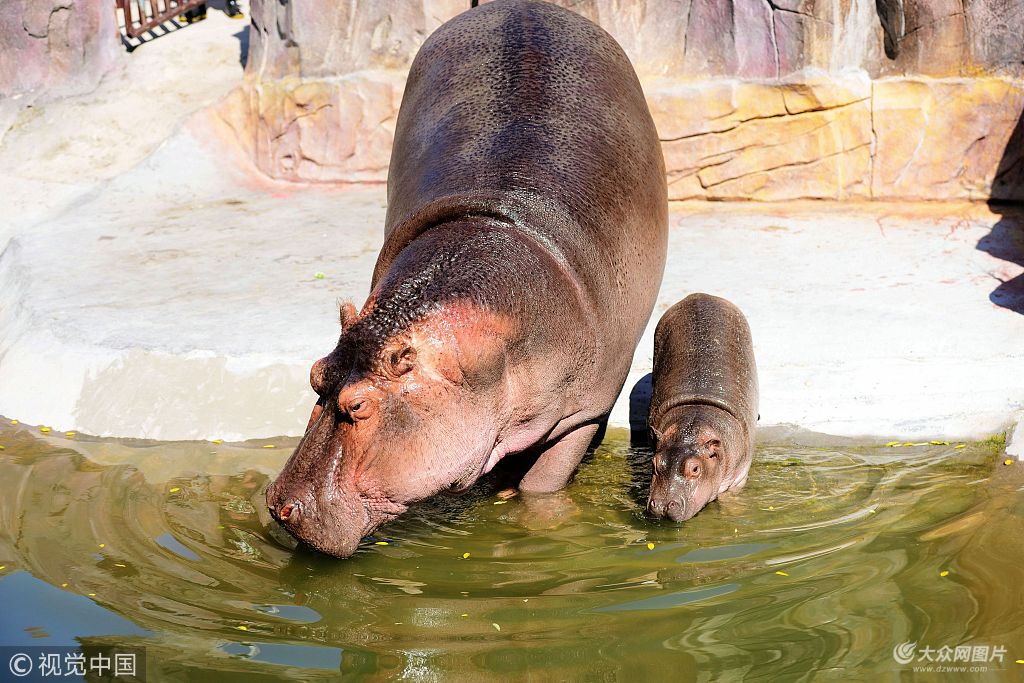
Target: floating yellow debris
pixel 771 507
pixel 2 447
pixel 218 441
pixel 496 627
pixel 70 434
pixel 463 615
pixel 92 595
pixel 894 444
pixel 910 443
pixel 242 627
pixel 319 275
pixel 465 556
pixel 944 572
pixel 118 564
pixel 650 546
pixel 1020 661
pixel 782 573
pixel 961 445
pixel 175 489
pixel 939 443
pixel 500 502
pixel 269 445
pixel 3 566
pixel 103 545
pixel 45 430
pixel 14 422
pixel 1008 461
pixel 63 585
pixel 382 543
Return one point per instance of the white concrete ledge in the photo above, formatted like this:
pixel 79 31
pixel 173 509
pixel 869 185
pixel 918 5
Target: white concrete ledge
pixel 190 309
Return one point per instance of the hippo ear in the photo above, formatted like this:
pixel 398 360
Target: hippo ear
pixel 658 436
pixel 347 314
pixel 399 359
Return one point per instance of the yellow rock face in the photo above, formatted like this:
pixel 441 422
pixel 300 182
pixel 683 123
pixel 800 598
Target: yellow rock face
pixel 821 137
pixel 318 131
pixel 943 138
pixel 736 140
pixel 850 138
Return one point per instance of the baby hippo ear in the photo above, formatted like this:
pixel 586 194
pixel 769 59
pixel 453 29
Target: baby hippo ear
pixel 398 359
pixel 348 315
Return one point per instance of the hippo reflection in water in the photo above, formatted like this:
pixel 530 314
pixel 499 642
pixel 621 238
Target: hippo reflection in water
pixel 524 246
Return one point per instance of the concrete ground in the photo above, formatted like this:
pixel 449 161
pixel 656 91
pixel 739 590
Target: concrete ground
pixel 161 292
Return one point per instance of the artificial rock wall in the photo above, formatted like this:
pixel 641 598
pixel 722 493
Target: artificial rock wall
pixel 753 99
pixel 54 48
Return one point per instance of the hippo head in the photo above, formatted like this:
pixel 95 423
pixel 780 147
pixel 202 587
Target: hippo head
pixel 404 412
pixel 701 453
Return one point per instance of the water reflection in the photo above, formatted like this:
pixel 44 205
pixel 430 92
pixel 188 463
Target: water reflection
pixel 825 561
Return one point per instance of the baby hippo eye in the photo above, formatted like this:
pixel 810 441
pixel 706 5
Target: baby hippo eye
pixel 713 445
pixel 359 409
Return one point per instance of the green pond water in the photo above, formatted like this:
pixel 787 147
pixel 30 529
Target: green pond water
pixel 825 562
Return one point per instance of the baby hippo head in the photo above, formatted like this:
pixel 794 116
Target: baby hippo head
pixel 700 452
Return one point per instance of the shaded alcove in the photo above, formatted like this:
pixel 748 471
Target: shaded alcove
pixel 1006 239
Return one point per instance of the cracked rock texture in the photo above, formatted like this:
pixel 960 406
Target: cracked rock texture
pixel 754 99
pixel 54 47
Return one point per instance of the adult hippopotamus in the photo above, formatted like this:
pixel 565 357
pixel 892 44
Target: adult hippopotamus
pixel 523 249
pixel 703 406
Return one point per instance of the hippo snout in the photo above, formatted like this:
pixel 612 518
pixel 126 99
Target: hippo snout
pixel 671 508
pixel 332 524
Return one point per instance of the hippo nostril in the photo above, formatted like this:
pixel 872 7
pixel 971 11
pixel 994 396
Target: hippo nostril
pixel 290 511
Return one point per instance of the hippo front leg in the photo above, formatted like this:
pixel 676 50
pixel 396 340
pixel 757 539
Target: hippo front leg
pixel 556 464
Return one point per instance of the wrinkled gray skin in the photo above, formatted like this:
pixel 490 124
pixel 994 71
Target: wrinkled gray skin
pixel 703 407
pixel 524 247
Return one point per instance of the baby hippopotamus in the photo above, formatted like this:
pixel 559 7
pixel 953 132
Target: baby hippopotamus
pixel 704 405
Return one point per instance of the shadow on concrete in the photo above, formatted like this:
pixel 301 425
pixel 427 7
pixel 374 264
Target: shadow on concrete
pixel 639 405
pixel 1006 239
pixel 243 45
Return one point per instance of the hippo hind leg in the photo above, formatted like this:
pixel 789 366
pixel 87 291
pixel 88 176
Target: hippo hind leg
pixel 555 466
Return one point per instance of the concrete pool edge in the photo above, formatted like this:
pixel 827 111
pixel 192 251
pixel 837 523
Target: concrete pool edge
pixel 200 317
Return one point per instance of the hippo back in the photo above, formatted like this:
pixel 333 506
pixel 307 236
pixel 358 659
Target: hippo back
pixel 703 354
pixel 527 113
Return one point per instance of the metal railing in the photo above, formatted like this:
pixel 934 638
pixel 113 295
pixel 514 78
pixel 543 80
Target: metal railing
pixel 140 16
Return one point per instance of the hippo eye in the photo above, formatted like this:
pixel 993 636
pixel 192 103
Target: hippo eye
pixel 359 409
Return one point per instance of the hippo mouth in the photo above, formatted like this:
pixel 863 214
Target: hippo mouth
pixel 677 508
pixel 335 525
